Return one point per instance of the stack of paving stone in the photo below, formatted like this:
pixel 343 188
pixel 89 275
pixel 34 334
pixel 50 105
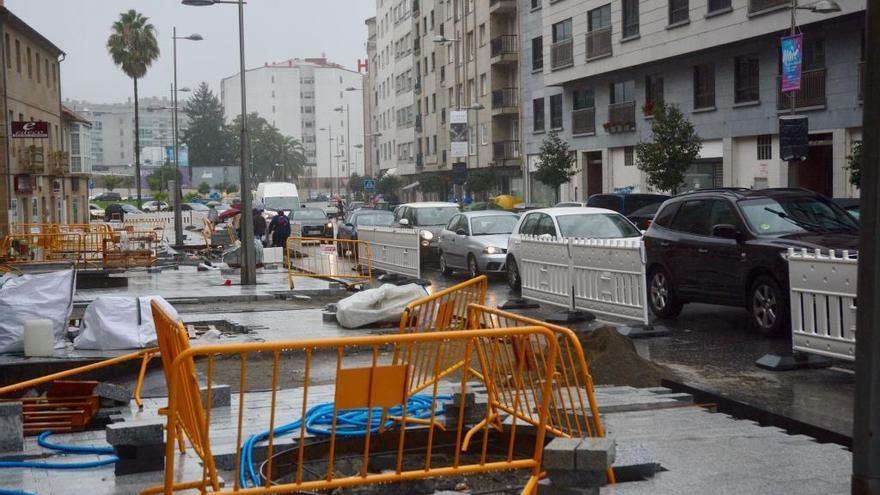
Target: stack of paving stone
pixel 576 466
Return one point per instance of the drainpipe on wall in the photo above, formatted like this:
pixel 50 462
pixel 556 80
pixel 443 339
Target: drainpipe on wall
pixel 7 125
pixel 64 203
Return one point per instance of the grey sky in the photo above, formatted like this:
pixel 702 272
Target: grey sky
pixel 275 30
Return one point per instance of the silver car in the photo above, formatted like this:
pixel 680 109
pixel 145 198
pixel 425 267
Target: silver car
pixel 476 241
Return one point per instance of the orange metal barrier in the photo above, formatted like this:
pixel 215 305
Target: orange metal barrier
pixel 60 228
pixel 133 249
pixel 85 249
pixel 347 260
pixel 442 311
pixel 373 389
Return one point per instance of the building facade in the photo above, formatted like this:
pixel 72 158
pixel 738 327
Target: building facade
pixel 38 183
pixel 371 160
pixel 77 135
pixel 603 65
pixel 314 101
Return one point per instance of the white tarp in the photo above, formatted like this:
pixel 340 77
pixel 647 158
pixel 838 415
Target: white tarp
pixel 119 322
pixel 381 305
pixel 28 297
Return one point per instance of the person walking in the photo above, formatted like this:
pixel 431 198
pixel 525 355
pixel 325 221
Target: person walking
pixel 259 224
pixel 279 230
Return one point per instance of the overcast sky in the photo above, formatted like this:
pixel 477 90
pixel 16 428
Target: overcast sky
pixel 275 30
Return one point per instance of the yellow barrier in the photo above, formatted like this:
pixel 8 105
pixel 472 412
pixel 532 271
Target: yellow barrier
pixel 60 228
pixel 347 260
pixel 418 443
pixel 84 249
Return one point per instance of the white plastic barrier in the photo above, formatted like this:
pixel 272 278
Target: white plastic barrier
pixel 189 218
pixel 823 290
pixel 393 250
pixel 606 277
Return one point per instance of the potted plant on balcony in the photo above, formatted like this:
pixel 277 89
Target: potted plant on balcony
pixel 648 109
pixel 607 126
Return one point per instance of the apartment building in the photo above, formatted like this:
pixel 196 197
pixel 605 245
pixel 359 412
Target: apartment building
pixel 315 101
pixel 593 69
pixel 38 184
pixel 371 159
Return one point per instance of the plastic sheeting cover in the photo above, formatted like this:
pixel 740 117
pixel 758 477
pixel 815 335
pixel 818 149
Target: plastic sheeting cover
pixel 381 305
pixel 38 296
pixel 118 322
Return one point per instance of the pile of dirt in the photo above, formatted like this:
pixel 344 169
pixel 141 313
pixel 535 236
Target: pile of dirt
pixel 613 360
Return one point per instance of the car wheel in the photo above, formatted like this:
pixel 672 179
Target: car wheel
pixel 513 279
pixel 444 268
pixel 768 306
pixel 661 295
pixel 473 268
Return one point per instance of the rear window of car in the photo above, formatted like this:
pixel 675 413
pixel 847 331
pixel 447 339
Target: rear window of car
pixel 596 226
pixel 664 216
pixel 605 201
pixel 634 202
pixel 375 218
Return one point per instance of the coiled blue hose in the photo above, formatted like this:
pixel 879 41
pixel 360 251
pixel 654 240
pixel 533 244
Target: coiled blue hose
pixel 318 420
pixel 67 449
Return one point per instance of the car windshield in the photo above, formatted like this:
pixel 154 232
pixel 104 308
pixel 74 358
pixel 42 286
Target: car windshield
pixel 281 203
pixel 774 216
pixel 309 215
pixel 596 226
pixel 378 219
pixel 434 215
pixel 495 224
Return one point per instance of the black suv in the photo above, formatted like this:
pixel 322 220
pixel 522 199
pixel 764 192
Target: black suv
pixel 728 247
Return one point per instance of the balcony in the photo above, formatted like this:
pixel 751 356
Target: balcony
pixel 415 7
pixel 762 5
pixel 621 117
pixel 505 150
pixel 417 85
pixel 583 121
pixel 811 94
pixel 861 81
pixel 505 101
pixel 561 54
pixel 31 159
pixel 58 163
pixel 418 123
pixel 502 7
pixel 417 45
pixel 420 161
pixel 505 49
pixel 599 43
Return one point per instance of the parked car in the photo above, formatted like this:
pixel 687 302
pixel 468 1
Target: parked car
pixel 313 221
pixel 476 241
pixel 644 215
pixel 118 211
pixel 95 211
pixel 567 222
pixel 363 218
pixel 851 205
pixel 153 206
pixel 570 204
pixel 429 218
pixel 729 247
pixel 194 207
pixel 625 203
pixel 109 196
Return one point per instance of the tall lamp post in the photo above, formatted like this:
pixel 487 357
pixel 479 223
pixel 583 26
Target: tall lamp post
pixel 248 250
pixel 329 130
pixel 456 43
pixel 178 188
pixel 347 141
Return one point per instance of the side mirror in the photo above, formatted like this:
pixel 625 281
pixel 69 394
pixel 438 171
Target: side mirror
pixel 404 222
pixel 725 231
pixel 350 225
pixel 460 232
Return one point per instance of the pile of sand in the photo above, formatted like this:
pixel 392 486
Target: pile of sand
pixel 613 360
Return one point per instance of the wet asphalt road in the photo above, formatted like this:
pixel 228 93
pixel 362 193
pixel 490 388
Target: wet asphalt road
pixel 712 348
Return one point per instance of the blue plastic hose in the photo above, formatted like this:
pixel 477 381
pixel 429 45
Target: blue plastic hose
pixel 14 492
pixel 67 449
pixel 319 419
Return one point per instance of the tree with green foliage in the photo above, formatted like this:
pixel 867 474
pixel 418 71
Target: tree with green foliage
pixel 481 180
pixel 230 188
pixel 133 47
pixel 674 147
pixel 268 148
pixel 204 188
pixel 854 164
pixel 556 163
pixel 158 180
pixel 208 137
pixel 389 187
pixel 356 184
pixel 111 182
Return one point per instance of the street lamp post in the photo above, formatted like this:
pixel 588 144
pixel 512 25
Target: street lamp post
pixel 248 250
pixel 347 142
pixel 329 130
pixel 178 189
pixel 442 39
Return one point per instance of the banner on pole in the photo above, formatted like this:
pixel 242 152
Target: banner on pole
pixel 458 133
pixel 792 58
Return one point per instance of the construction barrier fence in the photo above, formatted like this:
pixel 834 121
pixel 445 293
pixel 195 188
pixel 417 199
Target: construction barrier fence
pixel 394 250
pixel 405 432
pixel 102 249
pixel 344 260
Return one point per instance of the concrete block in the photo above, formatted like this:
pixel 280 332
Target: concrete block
pixel 577 478
pixel 220 395
pixel 136 433
pixel 595 454
pixel 560 453
pixel 469 395
pixel 11 429
pixel 116 393
pixel 139 458
pixel 634 462
pixel 547 487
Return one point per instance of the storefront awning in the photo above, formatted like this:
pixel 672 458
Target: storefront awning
pixel 410 186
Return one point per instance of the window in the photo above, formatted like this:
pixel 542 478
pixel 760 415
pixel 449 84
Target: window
pixel 704 85
pixel 537 53
pixel 18 56
pixel 484 134
pixel 483 84
pixel 745 78
pixel 653 91
pixel 556 112
pixel 628 156
pixel 538 114
pixel 8 51
pixel 546 226
pixel 472 140
pixel 718 6
pixel 529 225
pixel 30 63
pixel 678 11
pixel 623 92
pixel 721 213
pixel 482 34
pixel 562 31
pixel 765 148
pixel 48 80
pixel 692 218
pixel 664 216
pixel 599 18
pixel 536 4
pixel 582 99
pixel 39 73
pixel 814 53
pixel 630 18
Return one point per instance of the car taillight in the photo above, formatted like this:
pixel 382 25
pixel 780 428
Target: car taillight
pixel 648 223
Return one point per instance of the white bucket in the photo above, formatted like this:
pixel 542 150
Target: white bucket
pixel 39 338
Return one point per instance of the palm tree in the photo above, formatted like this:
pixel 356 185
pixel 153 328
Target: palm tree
pixel 132 45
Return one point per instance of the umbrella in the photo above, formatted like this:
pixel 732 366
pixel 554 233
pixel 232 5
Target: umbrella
pixel 233 210
pixel 214 203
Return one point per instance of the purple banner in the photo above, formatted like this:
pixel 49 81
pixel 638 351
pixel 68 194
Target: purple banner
pixel 792 57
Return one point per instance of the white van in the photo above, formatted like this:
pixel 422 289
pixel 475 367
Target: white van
pixel 275 196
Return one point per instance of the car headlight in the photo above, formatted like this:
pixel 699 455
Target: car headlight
pixel 426 235
pixel 329 225
pixel 492 250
